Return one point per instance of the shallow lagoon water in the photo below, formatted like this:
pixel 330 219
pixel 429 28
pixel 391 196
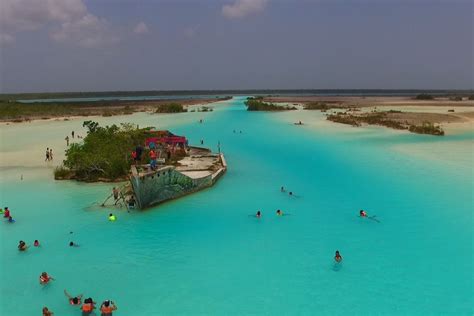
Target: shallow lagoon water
pixel 204 254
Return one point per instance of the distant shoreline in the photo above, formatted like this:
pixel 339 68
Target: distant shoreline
pixel 14 112
pixel 222 93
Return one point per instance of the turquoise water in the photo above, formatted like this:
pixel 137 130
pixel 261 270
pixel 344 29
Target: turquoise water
pixel 203 254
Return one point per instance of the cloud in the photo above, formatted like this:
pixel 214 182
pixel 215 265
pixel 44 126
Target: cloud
pixel 88 31
pixel 141 28
pixel 69 19
pixel 243 8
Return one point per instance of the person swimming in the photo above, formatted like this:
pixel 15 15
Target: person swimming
pixel 73 300
pixel 45 278
pixel 290 193
pixel 47 312
pixel 10 219
pixel 279 213
pixel 107 308
pixel 338 257
pixel 282 189
pixel 36 243
pixel 112 217
pixel 362 213
pixel 88 307
pixel 73 244
pixel 258 215
pixel 22 246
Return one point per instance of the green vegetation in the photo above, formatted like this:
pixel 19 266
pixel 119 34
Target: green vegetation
pixel 256 104
pixel 322 106
pixel 426 128
pixel 424 96
pixel 382 119
pixel 103 155
pixel 170 108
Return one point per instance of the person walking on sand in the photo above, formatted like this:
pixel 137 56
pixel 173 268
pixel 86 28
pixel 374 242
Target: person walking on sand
pixel 72 134
pixel 67 140
pixel 47 154
pixel 51 154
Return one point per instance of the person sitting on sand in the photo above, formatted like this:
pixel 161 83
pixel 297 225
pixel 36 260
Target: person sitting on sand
pixel 47 312
pixel 22 246
pixel 73 300
pixel 362 213
pixel 88 307
pixel 45 278
pixel 338 257
pixel 36 243
pixel 107 308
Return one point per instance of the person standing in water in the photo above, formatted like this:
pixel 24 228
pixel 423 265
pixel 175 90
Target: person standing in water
pixel 107 308
pixel 36 243
pixel 338 257
pixel 362 213
pixel 6 213
pixel 258 215
pixel 115 192
pixel 88 307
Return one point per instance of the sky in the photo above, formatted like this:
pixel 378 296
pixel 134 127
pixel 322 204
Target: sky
pixel 105 45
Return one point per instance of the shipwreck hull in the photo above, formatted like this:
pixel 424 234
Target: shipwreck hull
pixel 168 183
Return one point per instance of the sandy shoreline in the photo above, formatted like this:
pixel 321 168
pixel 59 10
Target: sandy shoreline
pixel 453 116
pixel 362 101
